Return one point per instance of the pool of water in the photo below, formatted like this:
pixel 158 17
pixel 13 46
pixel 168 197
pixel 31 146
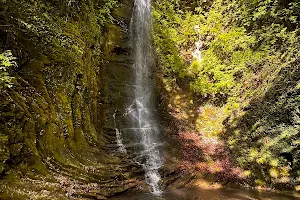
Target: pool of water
pixel 210 194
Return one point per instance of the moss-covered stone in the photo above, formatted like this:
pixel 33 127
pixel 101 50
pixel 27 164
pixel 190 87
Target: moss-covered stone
pixel 53 132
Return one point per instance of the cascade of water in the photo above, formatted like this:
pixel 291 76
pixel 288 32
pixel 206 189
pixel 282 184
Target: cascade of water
pixel 119 136
pixel 197 55
pixel 141 112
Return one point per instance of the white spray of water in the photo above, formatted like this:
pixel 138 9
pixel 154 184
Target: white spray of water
pixel 119 136
pixel 197 55
pixel 142 112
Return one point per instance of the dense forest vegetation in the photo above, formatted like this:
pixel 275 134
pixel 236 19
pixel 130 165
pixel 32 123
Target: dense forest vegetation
pixel 227 75
pixel 245 90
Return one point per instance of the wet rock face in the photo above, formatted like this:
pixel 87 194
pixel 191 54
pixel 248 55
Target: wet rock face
pixel 57 120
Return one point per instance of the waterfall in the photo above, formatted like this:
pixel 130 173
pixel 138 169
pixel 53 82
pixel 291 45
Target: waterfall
pixel 197 54
pixel 119 136
pixel 141 112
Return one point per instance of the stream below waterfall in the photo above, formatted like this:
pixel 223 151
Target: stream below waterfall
pixel 209 194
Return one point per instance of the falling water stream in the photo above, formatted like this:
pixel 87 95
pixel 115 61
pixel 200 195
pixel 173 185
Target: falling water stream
pixel 141 113
pixel 120 144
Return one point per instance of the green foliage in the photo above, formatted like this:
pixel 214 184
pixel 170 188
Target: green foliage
pixel 173 34
pixel 104 12
pixel 250 56
pixel 268 128
pixel 228 49
pixel 228 55
pixel 7 61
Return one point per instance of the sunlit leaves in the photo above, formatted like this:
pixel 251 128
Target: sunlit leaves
pixel 104 12
pixel 227 54
pixel 7 60
pixel 250 55
pixel 174 35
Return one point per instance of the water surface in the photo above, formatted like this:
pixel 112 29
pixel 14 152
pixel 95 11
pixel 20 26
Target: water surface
pixel 210 194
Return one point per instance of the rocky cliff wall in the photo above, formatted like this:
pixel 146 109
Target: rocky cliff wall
pixel 57 136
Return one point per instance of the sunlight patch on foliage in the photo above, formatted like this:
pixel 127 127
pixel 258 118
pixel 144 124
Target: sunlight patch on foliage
pixel 7 61
pixel 209 121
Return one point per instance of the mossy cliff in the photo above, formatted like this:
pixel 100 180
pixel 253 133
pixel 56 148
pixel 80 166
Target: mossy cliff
pixel 57 132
